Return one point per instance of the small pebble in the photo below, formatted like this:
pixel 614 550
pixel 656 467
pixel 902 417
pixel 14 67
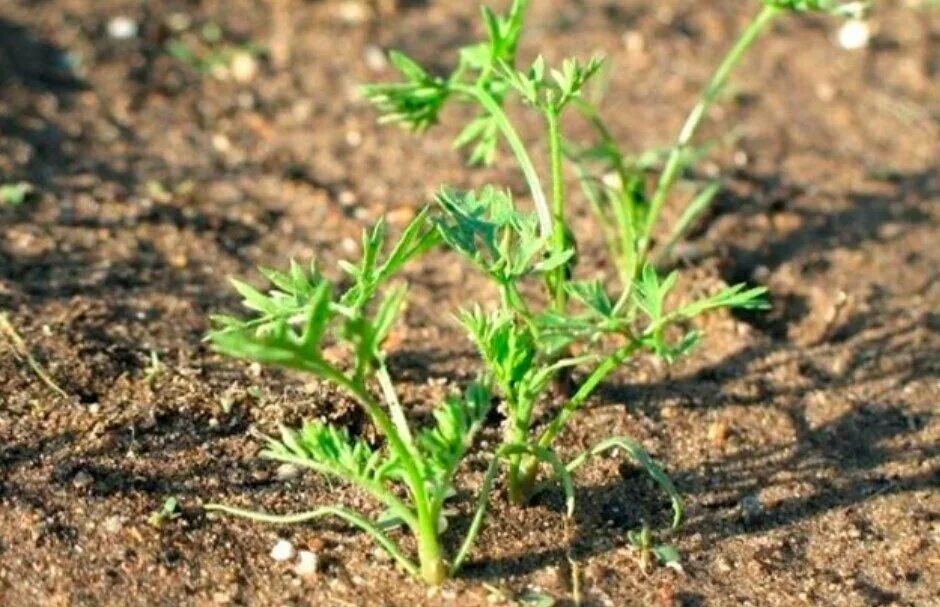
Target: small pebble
pixel 244 67
pixel 113 524
pixel 122 28
pixel 307 563
pixel 283 551
pixel 287 472
pixel 718 432
pixel 751 507
pixel 352 12
pixel 375 58
pixel 634 42
pixel 82 480
pixel 854 35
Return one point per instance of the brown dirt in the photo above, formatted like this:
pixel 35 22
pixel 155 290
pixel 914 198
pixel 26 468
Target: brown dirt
pixel 805 440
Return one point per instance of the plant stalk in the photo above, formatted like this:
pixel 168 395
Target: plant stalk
pixel 673 166
pixel 526 481
pixel 560 236
pixel 518 149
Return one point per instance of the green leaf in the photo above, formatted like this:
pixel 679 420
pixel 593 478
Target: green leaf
pixel 593 296
pixel 485 228
pixel 667 555
pixel 650 293
pixel 735 296
pixel 457 422
pixel 841 8
pixel 415 102
pixel 14 194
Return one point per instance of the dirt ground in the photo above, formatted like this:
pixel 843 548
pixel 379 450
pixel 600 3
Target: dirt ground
pixel 804 440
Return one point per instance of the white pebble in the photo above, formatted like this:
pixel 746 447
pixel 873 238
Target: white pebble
pixel 282 551
pixel 307 563
pixel 113 524
pixel 375 58
pixel 122 28
pixel 353 12
pixel 287 472
pixel 244 67
pixel 854 35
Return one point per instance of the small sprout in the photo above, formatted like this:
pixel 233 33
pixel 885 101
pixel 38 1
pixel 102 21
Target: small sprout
pixel 15 194
pixel 412 473
pixel 154 369
pixel 646 551
pixel 167 512
pixel 536 598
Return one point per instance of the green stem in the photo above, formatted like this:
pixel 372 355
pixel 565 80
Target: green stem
pixel 518 149
pixel 718 80
pixel 641 457
pixel 587 388
pixel 623 208
pixel 376 489
pixel 541 454
pixel 354 518
pixel 394 405
pixel 429 549
pixel 560 236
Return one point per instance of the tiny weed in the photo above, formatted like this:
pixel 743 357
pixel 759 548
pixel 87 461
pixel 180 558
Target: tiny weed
pixel 646 551
pixel 15 194
pixel 167 512
pixel 207 51
pixel 154 369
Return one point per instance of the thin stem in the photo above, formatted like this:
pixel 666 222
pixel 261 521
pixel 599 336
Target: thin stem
pixel 429 549
pixel 394 405
pixel 486 488
pixel 20 348
pixel 718 80
pixel 559 237
pixel 378 491
pixel 350 516
pixel 587 388
pixel 641 457
pixel 518 149
pixel 623 207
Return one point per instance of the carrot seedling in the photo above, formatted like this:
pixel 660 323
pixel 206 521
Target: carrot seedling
pixel 527 341
pixel 290 326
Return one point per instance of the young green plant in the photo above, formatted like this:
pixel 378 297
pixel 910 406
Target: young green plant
pixel 522 345
pixel 290 326
pixel 615 184
pixel 523 348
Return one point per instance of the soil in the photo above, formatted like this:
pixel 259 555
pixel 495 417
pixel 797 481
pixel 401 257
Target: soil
pixel 805 440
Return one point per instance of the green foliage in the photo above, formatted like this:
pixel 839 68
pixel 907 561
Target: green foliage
pixel 551 90
pixel 14 194
pixel 415 102
pixel 485 228
pixel 291 325
pixel 573 328
pixel 168 511
pixel 834 7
